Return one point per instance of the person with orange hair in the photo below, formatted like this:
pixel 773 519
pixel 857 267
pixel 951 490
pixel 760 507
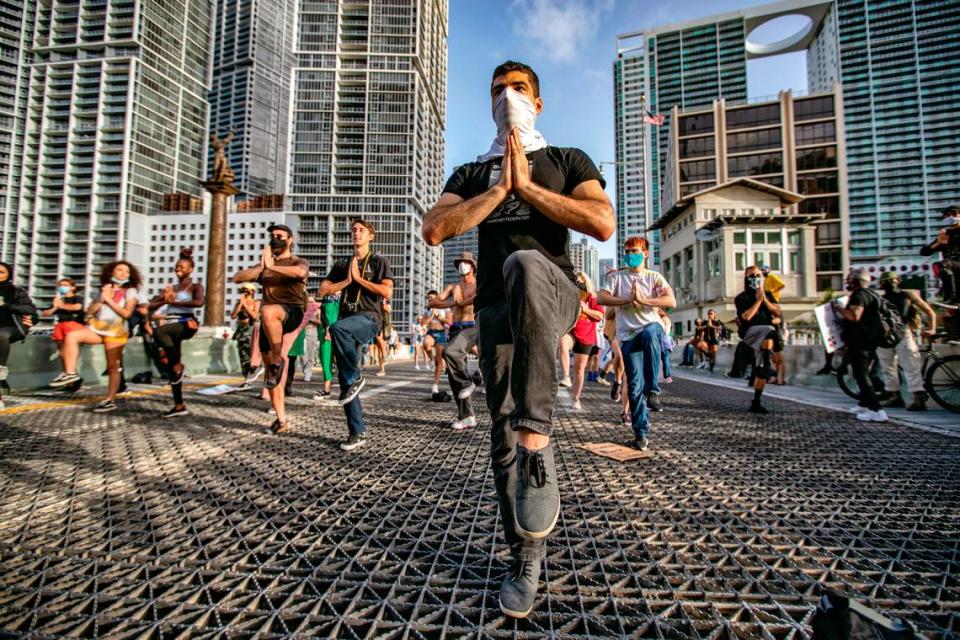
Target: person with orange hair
pixel 639 293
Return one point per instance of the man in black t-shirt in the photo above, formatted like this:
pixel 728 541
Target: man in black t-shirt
pixel 861 334
pixel 364 281
pixel 756 310
pixel 947 243
pixel 524 196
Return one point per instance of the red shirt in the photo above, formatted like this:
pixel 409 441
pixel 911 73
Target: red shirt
pixel 585 331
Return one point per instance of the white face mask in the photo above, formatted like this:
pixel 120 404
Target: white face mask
pixel 951 220
pixel 513 109
pixel 464 268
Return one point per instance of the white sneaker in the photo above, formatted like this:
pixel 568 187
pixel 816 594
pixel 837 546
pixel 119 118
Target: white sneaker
pixel 857 409
pixel 466 423
pixel 2 405
pixel 566 382
pixel 435 389
pixel 576 405
pixel 417 367
pixel 380 374
pixel 702 365
pixel 467 391
pixel 872 416
pixel 4 372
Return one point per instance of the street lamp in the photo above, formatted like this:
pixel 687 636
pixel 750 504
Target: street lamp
pixel 613 163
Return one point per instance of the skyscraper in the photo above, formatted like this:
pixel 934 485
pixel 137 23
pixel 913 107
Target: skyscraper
pixel 455 247
pixel 250 89
pixel 585 257
pixel 895 62
pixel 367 119
pixel 116 118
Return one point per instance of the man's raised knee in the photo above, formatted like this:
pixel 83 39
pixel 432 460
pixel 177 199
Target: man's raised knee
pixel 519 262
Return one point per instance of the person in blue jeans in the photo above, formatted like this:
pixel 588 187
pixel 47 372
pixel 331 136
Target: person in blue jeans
pixel 639 293
pixel 364 281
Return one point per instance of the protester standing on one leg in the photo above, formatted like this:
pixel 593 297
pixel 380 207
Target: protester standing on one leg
pixel 178 323
pixel 68 309
pixel 861 334
pixel 524 196
pixel 329 312
pixel 246 313
pixel 756 310
pixel 906 354
pixel 364 281
pixel 17 315
pixel 110 311
pixel 638 293
pixel 436 321
pixel 283 278
pixel 584 334
pixel 462 339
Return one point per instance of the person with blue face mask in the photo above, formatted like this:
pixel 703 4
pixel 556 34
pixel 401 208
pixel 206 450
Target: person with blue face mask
pixel 756 310
pixel 523 195
pixel 639 294
pixel 67 307
pixel 947 243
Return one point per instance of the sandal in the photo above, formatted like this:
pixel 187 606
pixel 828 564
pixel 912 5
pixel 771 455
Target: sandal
pixel 278 427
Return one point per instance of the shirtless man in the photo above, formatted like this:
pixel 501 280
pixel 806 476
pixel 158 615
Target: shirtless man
pixel 436 321
pixel 462 339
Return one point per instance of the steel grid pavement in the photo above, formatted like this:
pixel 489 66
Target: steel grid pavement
pixel 125 525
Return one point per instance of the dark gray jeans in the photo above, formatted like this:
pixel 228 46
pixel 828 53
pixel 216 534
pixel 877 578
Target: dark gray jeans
pixel 518 357
pixel 459 343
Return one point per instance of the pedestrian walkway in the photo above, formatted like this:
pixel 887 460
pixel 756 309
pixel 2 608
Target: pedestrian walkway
pixel 126 525
pixel 936 418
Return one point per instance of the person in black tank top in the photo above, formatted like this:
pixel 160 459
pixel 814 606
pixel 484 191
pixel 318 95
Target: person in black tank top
pixel 906 354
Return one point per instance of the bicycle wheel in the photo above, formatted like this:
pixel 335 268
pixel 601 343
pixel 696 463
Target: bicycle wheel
pixel 943 382
pixel 848 383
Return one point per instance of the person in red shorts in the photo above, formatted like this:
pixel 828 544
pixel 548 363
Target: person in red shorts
pixel 68 309
pixel 584 334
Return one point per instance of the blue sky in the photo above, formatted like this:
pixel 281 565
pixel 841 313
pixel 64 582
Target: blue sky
pixel 571 44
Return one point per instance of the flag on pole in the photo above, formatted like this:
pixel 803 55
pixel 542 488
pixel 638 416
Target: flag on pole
pixel 655 120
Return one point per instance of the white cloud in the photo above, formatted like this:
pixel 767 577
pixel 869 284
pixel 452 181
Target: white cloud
pixel 561 28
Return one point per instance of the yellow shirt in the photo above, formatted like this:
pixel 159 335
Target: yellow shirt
pixel 774 284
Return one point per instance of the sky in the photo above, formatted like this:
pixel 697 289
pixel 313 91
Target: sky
pixel 572 45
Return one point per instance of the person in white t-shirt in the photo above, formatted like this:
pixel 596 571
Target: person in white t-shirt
pixel 639 293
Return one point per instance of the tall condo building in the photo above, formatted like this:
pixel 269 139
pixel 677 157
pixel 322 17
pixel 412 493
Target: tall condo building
pixel 115 117
pixel 250 89
pixel 894 60
pixel 367 119
pixel 455 247
pixel 16 17
pixel 585 257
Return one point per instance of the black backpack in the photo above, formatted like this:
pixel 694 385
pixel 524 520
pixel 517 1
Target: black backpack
pixel 892 326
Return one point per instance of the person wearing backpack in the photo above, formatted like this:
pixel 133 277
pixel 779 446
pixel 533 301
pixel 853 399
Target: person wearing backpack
pixel 862 333
pixel 909 305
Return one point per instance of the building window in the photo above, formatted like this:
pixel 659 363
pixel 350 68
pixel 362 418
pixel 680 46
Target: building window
pixel 740 260
pixel 753 116
pixel 793 238
pixel 829 206
pixel 817 183
pixel 815 133
pixel 813 108
pixel 702 123
pixel 753 140
pixel 773 260
pixel 697 147
pixel 698 170
pixel 829 260
pixel 828 233
pixel 757 237
pixel 755 165
pixel 740 237
pixel 817 158
pixel 795 266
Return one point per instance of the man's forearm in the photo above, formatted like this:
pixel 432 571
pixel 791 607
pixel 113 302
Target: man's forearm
pixel 329 288
pixel 383 290
pixel 752 311
pixel 585 216
pixel 664 301
pixel 248 275
pixel 609 300
pixel 295 271
pixel 443 222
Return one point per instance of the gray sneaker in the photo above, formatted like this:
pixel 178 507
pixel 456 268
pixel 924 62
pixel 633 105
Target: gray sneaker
pixel 519 589
pixel 538 495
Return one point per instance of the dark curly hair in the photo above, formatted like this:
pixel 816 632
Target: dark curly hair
pixel 513 65
pixel 186 255
pixel 107 273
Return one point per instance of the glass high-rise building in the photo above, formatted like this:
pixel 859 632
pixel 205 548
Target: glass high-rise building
pixel 250 89
pixel 367 120
pixel 895 60
pixel 115 118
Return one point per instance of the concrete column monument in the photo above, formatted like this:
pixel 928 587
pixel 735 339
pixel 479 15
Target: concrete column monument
pixel 220 186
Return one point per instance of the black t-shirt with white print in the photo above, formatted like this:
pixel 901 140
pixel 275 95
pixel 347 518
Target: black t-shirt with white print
pixel 515 225
pixel 355 299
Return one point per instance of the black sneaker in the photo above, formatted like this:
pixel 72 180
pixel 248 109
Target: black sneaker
pixel 353 442
pixel 537 505
pixel 105 407
pixel 65 380
pixel 478 378
pixel 519 589
pixel 351 392
pixel 272 375
pixel 640 444
pixel 756 407
pixel 321 394
pixel 173 413
pixel 653 402
pixel 615 392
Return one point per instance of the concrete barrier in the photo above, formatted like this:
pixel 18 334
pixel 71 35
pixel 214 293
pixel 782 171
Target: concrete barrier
pixel 35 362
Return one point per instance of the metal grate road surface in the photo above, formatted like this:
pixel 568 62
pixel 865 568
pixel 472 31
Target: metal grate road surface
pixel 125 525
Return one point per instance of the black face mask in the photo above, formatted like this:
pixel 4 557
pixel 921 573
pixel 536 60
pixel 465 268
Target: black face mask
pixel 277 243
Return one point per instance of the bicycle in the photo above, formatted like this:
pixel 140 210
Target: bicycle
pixel 941 374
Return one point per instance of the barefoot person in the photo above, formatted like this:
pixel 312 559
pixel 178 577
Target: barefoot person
pixel 524 196
pixel 110 311
pixel 459 299
pixel 283 278
pixel 364 281
pixel 179 323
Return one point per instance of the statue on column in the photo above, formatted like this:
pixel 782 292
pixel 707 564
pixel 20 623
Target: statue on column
pixel 221 171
